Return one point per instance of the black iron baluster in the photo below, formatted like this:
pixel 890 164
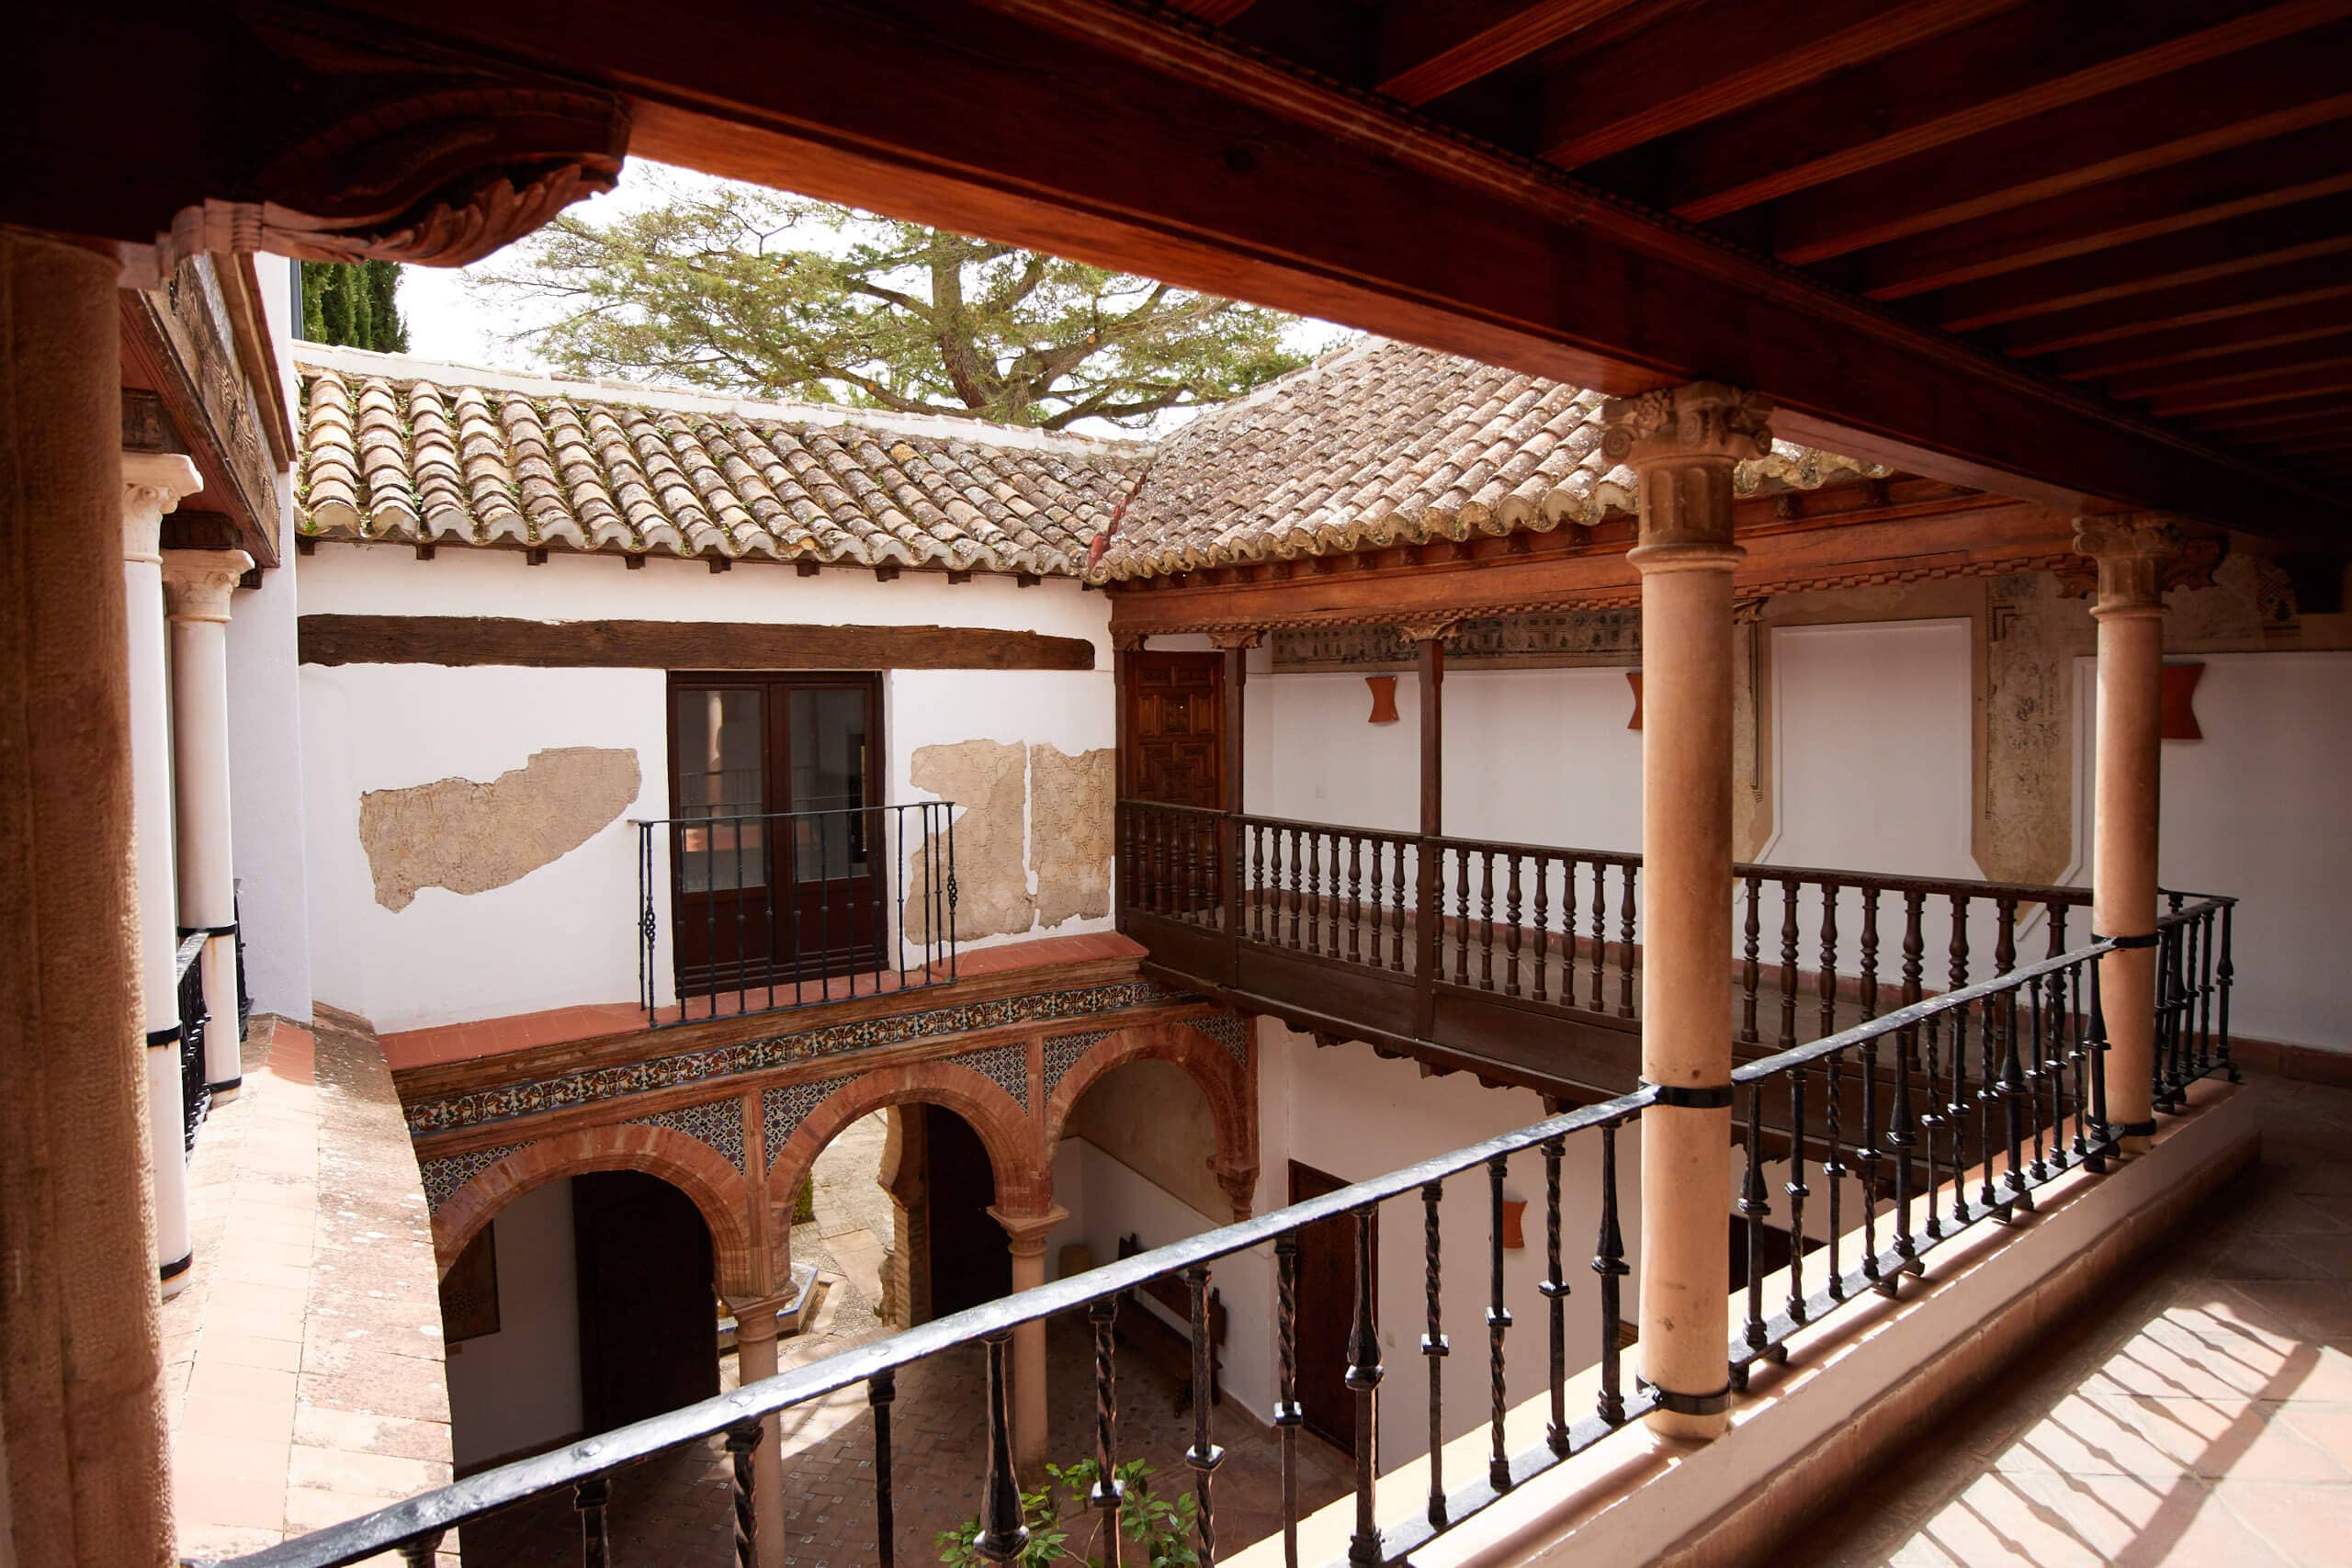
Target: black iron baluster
pixel 1363 1378
pixel 1753 1205
pixel 2205 928
pixel 1798 1191
pixel 2038 1071
pixel 2224 975
pixel 1625 942
pixel 1542 931
pixel 1108 1490
pixel 1955 1109
pixel 710 917
pixel 1599 926
pixel 1486 921
pixel 1204 1456
pixel 1609 1262
pixel 1899 1141
pixel 1833 1173
pixel 766 864
pixel 1555 1290
pixel 742 1441
pixel 1828 986
pixel 1931 1124
pixel 880 1390
pixel 420 1552
pixel 1434 1349
pixel 1498 1325
pixel 1288 1414
pixel 1788 964
pixel 2094 1068
pixel 1004 1533
pixel 742 948
pixel 2013 1100
pixel 1751 972
pixel 1511 938
pixel 1992 1092
pixel 589 1496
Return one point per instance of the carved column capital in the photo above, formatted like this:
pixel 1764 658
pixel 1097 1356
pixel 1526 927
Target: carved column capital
pixel 1427 628
pixel 2129 552
pixel 152 484
pixel 1129 642
pixel 196 583
pixel 1682 444
pixel 1240 1184
pixel 1026 1231
pixel 1241 637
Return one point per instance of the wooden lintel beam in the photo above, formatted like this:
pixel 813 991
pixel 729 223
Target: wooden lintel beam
pixel 2230 185
pixel 2304 232
pixel 459 640
pixel 2300 321
pixel 1426 49
pixel 2025 60
pixel 1700 61
pixel 2251 97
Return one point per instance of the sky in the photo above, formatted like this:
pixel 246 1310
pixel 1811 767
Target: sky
pixel 450 318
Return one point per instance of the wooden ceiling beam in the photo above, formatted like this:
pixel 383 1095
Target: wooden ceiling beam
pixel 2008 67
pixel 2301 232
pixel 1699 61
pixel 1216 12
pixel 2288 386
pixel 2158 312
pixel 2247 98
pixel 1426 49
pixel 2249 365
pixel 2245 180
pixel 2326 318
pixel 2234 424
pixel 2338 440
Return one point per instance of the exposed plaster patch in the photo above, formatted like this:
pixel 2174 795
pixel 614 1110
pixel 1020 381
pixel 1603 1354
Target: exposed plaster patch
pixel 1070 817
pixel 470 837
pixel 987 779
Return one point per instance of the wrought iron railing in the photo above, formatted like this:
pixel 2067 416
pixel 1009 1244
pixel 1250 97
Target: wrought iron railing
pixel 1892 1102
pixel 196 1095
pixel 773 910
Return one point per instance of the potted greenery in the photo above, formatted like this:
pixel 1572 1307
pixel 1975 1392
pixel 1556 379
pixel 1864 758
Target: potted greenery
pixel 1065 1528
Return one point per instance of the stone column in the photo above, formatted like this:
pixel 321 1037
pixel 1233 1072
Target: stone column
pixel 197 585
pixel 153 483
pixel 2129 552
pixel 1026 1234
pixel 86 1469
pixel 755 1357
pixel 1682 444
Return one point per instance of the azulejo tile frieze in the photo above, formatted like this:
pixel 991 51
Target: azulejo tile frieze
pixel 443 1177
pixel 1063 1050
pixel 1227 1030
pixel 717 1122
pixel 600 1084
pixel 1007 1066
pixel 783 1109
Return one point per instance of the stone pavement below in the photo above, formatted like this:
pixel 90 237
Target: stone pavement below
pixel 303 1361
pixel 2206 1419
pixel 678 1510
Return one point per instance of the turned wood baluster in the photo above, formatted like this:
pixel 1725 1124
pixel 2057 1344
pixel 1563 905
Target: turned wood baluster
pixel 1511 932
pixel 1355 901
pixel 1542 936
pixel 1750 971
pixel 1315 891
pixel 1257 881
pixel 1461 916
pixel 1788 962
pixel 1397 928
pixel 1377 905
pixel 1599 926
pixel 1828 988
pixel 1298 887
pixel 1486 921
pixel 1625 943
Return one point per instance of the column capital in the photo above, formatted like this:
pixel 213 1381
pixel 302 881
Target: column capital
pixel 2129 550
pixel 1682 444
pixel 1129 642
pixel 152 484
pixel 1026 1231
pixel 196 583
pixel 1236 636
pixel 755 1320
pixel 1427 628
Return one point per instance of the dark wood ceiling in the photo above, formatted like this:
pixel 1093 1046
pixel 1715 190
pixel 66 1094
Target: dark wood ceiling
pixel 2152 200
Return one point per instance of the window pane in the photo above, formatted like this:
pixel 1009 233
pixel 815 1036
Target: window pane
pixel 829 764
pixel 722 777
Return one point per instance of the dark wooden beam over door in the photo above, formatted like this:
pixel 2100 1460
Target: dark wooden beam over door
pixel 460 640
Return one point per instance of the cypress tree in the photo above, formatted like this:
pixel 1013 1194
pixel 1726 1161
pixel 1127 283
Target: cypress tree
pixel 352 303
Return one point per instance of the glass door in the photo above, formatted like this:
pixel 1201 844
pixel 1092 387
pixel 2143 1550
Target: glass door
pixel 777 862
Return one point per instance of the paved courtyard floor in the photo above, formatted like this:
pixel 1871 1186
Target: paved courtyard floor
pixel 2206 1420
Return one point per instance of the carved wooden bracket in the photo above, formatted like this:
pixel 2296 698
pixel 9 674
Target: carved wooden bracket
pixel 1427 627
pixel 2176 701
pixel 1383 698
pixel 1634 678
pixel 1236 636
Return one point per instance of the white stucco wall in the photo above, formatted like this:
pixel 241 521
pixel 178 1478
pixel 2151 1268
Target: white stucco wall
pixel 519 1388
pixel 564 934
pixel 266 800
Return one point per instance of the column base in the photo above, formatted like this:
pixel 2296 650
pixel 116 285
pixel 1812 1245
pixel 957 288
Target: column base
pixel 223 1093
pixel 176 1275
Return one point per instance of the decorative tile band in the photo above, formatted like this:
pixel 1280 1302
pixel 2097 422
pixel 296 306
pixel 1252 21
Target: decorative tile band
pixel 783 1109
pixel 1063 1052
pixel 775 1051
pixel 1007 1066
pixel 717 1122
pixel 443 1177
pixel 1228 1031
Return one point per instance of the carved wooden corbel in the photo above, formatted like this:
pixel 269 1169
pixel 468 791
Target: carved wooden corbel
pixel 1229 637
pixel 1426 627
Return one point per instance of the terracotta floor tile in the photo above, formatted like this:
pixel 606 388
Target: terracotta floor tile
pixel 2308 1526
pixel 222 1348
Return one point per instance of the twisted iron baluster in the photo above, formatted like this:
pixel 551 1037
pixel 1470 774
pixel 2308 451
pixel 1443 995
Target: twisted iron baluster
pixel 1104 1495
pixel 2094 1064
pixel 1956 1108
pixel 1753 1204
pixel 1498 1325
pixel 589 1496
pixel 1867 1154
pixel 1554 1289
pixel 1797 1191
pixel 1992 1093
pixel 2015 1097
pixel 2205 994
pixel 742 1441
pixel 1434 1349
pixel 1609 1262
pixel 1931 1122
pixel 1288 1414
pixel 1005 1534
pixel 1364 1377
pixel 880 1390
pixel 2038 1074
pixel 1204 1456
pixel 1833 1174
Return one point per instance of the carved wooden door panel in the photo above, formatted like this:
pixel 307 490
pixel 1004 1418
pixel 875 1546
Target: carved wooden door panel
pixel 1177 731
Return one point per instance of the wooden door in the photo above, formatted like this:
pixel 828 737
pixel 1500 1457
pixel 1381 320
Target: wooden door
pixel 778 864
pixel 1327 1310
pixel 1176 729
pixel 971 1262
pixel 649 1319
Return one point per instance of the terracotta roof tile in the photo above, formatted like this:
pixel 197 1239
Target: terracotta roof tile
pixel 1380 444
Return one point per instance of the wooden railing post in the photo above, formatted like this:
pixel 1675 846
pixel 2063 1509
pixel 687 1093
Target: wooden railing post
pixel 1231 800
pixel 1429 648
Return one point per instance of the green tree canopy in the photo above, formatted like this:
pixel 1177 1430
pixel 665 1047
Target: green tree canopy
pixel 352 303
pixel 746 291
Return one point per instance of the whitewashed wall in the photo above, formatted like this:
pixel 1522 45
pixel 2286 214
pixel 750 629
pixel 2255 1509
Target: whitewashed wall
pixel 2258 809
pixel 519 1388
pixel 564 933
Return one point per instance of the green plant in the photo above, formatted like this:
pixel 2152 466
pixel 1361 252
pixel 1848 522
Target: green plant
pixel 1064 1527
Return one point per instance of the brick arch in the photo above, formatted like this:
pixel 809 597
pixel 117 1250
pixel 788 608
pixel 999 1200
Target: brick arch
pixel 1023 1181
pixel 693 1167
pixel 1209 1065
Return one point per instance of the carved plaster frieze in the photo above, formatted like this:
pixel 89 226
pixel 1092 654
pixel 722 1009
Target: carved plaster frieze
pixel 1236 636
pixel 1427 628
